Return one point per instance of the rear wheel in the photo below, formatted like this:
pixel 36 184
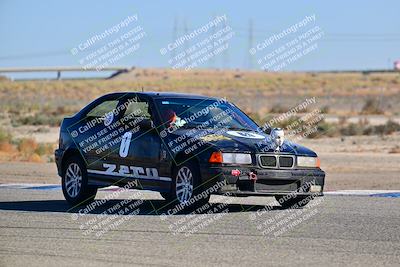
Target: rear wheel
pixel 74 182
pixel 291 202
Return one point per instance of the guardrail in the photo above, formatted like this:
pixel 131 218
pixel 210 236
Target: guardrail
pixel 359 71
pixel 65 68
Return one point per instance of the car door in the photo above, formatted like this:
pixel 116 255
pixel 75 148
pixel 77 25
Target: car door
pixel 137 155
pixel 89 130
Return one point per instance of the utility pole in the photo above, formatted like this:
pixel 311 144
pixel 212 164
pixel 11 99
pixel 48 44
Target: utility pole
pixel 174 36
pixel 225 55
pixel 250 45
pixel 211 61
pixel 186 46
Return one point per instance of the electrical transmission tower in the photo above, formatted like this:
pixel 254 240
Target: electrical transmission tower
pixel 250 57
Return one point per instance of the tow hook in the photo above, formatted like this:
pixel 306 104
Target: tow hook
pixel 253 179
pixel 252 176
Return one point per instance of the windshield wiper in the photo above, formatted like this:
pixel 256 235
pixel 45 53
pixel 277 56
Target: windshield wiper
pixel 239 129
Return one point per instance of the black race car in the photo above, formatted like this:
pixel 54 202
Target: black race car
pixel 184 146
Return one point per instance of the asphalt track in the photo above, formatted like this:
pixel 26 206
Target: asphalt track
pixel 37 228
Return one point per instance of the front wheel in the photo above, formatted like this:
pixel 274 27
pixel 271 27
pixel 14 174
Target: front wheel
pixel 75 182
pixel 187 190
pixel 292 202
pixel 165 195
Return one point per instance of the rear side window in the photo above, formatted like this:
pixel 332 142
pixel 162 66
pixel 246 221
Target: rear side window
pixel 138 109
pixel 102 109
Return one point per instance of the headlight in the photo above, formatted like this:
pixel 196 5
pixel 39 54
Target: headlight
pixel 311 162
pixel 236 158
pixel 231 158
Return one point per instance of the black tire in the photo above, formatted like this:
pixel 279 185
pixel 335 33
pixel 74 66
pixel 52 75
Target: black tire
pixel 166 195
pixel 198 196
pixel 76 191
pixel 292 202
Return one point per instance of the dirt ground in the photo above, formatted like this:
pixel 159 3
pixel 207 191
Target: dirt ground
pixel 359 162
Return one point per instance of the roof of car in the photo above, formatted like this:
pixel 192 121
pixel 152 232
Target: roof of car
pixel 166 95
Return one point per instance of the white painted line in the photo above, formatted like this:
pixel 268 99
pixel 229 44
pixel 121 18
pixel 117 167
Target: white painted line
pixel 49 186
pixel 394 193
pixel 22 185
pixel 359 192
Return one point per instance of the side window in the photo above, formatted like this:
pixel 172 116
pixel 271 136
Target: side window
pixel 137 109
pixel 102 109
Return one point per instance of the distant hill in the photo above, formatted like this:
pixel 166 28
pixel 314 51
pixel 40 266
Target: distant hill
pixel 3 78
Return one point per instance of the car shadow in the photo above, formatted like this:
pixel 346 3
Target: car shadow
pixel 114 207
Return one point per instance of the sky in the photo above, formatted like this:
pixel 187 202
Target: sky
pixel 357 35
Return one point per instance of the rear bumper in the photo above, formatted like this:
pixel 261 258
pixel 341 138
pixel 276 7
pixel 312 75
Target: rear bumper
pixel 58 155
pixel 268 182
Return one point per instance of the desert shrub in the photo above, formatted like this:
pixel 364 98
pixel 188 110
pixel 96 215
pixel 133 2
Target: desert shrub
pixel 42 130
pixel 44 149
pixel 388 128
pixel 27 146
pixel 34 158
pixel 7 147
pixel 6 141
pixel 392 126
pixel 325 129
pixel 40 119
pixel 371 106
pixel 5 136
pixel 290 122
pixel 64 111
pixel 278 109
pixel 395 149
pixel 342 120
pixel 325 109
pixel 352 129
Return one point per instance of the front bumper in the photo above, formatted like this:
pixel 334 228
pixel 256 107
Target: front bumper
pixel 254 181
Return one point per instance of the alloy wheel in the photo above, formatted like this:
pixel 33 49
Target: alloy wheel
pixel 73 180
pixel 184 184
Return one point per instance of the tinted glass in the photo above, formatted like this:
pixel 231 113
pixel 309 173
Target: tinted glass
pixel 206 113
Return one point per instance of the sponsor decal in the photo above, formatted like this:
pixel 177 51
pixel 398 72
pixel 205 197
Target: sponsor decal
pixel 130 171
pixel 248 135
pixel 214 137
pixel 108 118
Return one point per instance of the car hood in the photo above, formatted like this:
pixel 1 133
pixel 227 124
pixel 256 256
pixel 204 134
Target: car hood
pixel 241 141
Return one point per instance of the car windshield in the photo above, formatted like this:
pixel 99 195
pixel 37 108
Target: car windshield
pixel 203 113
